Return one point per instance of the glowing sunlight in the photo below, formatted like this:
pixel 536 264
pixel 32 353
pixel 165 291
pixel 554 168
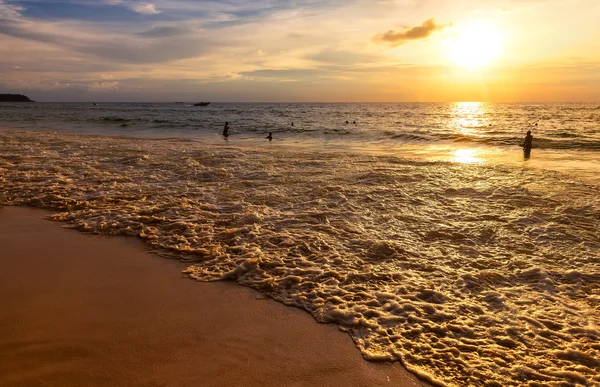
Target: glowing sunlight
pixel 474 45
pixel 468 118
pixel 466 156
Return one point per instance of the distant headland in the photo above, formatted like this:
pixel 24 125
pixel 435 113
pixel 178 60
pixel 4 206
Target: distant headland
pixel 14 98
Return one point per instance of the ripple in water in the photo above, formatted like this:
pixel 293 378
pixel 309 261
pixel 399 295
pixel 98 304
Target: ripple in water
pixel 469 275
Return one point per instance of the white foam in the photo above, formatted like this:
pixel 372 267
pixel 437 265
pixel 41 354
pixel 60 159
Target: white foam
pixel 470 275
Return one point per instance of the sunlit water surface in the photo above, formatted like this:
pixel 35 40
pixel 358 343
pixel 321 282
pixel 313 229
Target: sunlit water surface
pixel 469 265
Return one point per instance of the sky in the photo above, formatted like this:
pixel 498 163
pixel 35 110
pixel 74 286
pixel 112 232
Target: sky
pixel 301 51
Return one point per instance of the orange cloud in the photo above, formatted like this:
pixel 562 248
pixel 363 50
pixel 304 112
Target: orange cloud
pixel 396 38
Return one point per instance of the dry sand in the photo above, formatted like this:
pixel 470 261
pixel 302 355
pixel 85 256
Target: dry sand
pixel 88 310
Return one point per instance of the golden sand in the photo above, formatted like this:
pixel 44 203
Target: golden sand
pixel 88 310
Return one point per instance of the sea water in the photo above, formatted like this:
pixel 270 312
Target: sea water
pixel 420 230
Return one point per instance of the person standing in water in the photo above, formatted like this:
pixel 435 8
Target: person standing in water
pixel 226 130
pixel 527 144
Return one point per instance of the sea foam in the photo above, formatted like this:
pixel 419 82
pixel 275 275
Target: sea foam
pixel 467 274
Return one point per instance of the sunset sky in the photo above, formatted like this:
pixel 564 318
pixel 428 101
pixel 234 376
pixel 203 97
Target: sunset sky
pixel 314 50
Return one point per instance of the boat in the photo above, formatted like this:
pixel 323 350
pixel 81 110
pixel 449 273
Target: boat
pixel 201 104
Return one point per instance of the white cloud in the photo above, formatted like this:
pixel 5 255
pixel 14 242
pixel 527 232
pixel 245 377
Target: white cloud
pixel 8 11
pixel 114 85
pixel 230 75
pixel 144 8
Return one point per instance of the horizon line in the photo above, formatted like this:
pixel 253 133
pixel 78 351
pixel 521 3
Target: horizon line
pixel 323 102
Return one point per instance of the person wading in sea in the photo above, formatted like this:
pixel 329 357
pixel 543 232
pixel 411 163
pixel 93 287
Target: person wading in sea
pixel 527 144
pixel 226 130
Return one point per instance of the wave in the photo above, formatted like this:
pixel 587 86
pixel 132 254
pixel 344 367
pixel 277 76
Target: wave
pixel 116 119
pixel 560 141
pixel 468 275
pixel 573 143
pixel 560 126
pixel 411 137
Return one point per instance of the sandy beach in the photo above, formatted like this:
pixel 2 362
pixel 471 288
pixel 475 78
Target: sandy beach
pixel 88 310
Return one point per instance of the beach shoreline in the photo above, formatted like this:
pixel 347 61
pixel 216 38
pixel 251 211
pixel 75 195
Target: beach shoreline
pixel 93 310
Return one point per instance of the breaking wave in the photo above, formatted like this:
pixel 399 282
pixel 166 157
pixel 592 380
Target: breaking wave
pixel 467 274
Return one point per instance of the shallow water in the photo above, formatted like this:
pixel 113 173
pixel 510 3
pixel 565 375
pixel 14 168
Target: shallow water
pixel 468 273
pixel 567 126
pixel 566 135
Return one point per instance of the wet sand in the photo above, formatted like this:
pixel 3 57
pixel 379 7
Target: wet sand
pixel 89 310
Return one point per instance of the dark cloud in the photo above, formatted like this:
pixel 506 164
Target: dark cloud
pixel 39 62
pixel 396 38
pixel 95 11
pixel 156 52
pixel 333 70
pixel 19 29
pixel 126 51
pixel 163 32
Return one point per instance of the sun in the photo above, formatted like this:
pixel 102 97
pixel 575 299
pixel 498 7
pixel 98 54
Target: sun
pixel 474 45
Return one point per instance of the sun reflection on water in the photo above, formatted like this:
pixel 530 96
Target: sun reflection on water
pixel 466 156
pixel 466 118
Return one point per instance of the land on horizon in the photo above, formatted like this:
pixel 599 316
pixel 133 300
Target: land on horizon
pixel 14 98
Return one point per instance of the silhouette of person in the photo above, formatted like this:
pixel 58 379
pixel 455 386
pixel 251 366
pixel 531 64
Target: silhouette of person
pixel 527 144
pixel 269 137
pixel 346 122
pixel 292 124
pixel 226 130
pixel 354 122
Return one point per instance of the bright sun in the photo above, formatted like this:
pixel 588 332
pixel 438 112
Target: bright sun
pixel 474 45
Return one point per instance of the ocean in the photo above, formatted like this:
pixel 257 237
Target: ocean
pixel 418 228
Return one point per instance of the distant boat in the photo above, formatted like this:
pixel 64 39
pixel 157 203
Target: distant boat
pixel 201 104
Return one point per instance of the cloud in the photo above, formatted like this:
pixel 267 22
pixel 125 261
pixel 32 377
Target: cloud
pixel 8 11
pixel 164 32
pixel 113 85
pixel 283 75
pixel 336 57
pixel 144 8
pixel 127 50
pixel 396 38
